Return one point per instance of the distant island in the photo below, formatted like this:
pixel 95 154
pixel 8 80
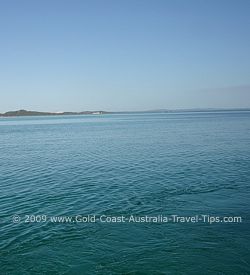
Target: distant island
pixel 35 113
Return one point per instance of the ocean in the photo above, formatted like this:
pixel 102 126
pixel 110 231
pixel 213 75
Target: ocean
pixel 142 193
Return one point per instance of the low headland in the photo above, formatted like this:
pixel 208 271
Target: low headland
pixel 36 113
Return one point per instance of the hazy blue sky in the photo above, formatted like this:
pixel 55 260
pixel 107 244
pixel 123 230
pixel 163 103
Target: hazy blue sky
pixel 124 55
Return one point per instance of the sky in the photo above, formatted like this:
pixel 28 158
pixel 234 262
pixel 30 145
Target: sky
pixel 124 55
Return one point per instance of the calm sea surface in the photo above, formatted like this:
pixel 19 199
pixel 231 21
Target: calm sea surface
pixel 182 164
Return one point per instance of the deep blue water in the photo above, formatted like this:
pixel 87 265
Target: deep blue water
pixel 128 164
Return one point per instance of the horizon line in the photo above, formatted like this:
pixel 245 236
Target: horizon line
pixel 24 112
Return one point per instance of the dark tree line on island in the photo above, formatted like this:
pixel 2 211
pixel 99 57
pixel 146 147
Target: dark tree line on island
pixel 35 113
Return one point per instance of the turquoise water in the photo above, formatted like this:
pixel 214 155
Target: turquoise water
pixel 181 164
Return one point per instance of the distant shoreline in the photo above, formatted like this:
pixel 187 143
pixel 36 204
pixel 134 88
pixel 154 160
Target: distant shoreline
pixel 37 113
